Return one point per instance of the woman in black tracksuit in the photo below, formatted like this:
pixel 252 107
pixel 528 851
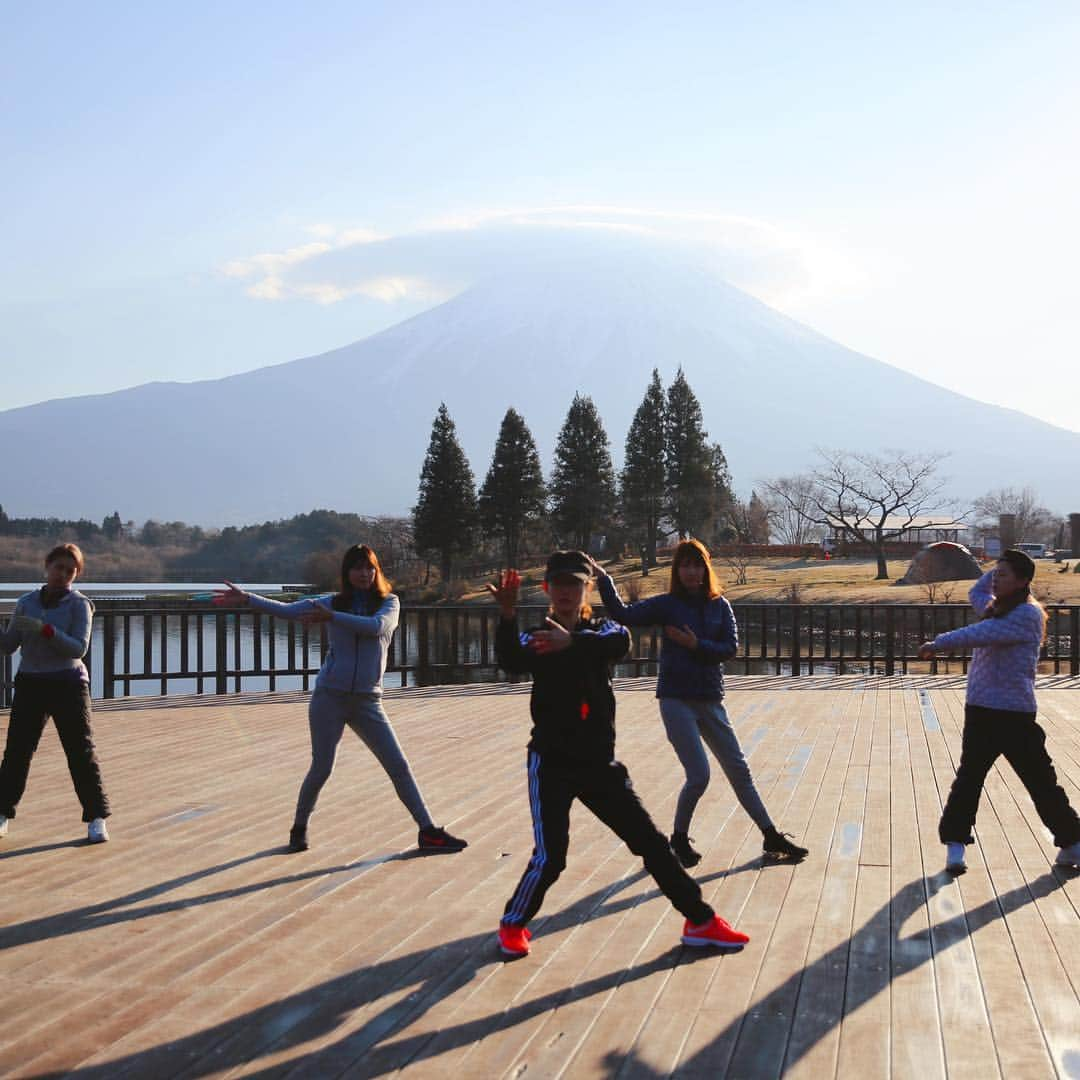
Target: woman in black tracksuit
pixel 571 753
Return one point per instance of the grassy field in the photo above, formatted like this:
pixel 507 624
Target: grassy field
pixel 814 581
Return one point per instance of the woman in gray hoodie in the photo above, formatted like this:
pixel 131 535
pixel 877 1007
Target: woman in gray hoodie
pixel 362 618
pixel 51 626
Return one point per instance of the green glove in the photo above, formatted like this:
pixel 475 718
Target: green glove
pixel 28 624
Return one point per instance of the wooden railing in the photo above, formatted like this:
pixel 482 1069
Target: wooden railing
pixel 159 648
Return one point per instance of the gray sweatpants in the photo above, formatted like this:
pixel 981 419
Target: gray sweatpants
pixel 690 724
pixel 328 713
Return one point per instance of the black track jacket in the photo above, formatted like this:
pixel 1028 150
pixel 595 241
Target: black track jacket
pixel 572 702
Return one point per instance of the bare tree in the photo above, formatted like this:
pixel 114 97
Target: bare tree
pixel 737 560
pixel 789 512
pixel 1033 522
pixel 870 498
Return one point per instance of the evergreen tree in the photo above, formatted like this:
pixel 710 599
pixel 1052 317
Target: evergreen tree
pixel 687 460
pixel 444 518
pixel 642 479
pixel 583 480
pixel 112 527
pixel 722 497
pixel 512 497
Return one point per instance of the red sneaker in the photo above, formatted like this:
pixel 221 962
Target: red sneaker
pixel 717 932
pixel 514 940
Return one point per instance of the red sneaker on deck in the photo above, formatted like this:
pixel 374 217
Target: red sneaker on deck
pixel 514 940
pixel 717 932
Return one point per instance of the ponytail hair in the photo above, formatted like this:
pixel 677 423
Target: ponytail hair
pixel 1021 565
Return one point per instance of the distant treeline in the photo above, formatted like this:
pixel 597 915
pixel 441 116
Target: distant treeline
pixel 306 548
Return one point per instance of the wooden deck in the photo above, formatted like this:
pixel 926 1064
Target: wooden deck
pixel 193 945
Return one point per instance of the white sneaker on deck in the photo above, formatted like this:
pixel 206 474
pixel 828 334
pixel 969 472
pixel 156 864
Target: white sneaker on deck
pixel 1067 856
pixel 96 832
pixel 3 825
pixel 954 857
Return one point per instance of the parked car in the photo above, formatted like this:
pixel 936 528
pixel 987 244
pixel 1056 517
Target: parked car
pixel 1034 551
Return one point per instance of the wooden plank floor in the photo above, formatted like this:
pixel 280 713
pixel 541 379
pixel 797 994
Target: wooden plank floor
pixel 193 945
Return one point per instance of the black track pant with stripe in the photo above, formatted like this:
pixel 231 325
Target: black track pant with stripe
pixel 606 790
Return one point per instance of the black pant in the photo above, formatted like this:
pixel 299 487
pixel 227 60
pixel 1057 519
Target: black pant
pixel 988 733
pixel 606 790
pixel 68 703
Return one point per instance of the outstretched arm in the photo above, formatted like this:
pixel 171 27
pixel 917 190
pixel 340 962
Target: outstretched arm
pixel 383 622
pixel 308 609
pixel 1022 624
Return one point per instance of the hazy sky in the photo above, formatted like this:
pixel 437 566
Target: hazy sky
pixel 191 190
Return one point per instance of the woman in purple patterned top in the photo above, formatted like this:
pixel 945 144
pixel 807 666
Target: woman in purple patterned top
pixel 999 713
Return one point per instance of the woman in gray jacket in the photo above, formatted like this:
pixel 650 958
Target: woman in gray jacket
pixel 362 618
pixel 52 627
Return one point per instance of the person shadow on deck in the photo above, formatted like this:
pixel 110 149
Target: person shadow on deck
pixel 122 909
pixel 434 972
pixel 797 1029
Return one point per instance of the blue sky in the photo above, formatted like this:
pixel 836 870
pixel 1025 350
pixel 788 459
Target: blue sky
pixel 188 190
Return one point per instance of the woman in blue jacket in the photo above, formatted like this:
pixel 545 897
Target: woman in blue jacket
pixel 699 634
pixel 348 690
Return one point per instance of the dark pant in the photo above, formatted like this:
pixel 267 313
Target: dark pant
pixel 988 733
pixel 607 792
pixel 68 703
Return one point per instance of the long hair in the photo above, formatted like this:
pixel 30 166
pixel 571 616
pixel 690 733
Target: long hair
pixel 694 551
pixel 380 588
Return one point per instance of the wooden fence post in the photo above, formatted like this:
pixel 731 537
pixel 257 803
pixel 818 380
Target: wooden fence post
pixel 221 654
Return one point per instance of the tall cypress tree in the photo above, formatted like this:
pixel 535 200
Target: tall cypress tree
pixel 687 460
pixel 444 517
pixel 512 496
pixel 642 479
pixel 583 480
pixel 722 496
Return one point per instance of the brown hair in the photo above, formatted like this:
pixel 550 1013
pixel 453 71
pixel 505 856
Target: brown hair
pixel 380 587
pixel 689 551
pixel 73 551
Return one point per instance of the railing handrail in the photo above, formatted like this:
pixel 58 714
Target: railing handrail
pixel 140 642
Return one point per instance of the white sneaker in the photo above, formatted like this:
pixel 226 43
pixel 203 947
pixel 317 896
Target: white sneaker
pixel 96 832
pixel 954 857
pixel 1067 856
pixel 3 826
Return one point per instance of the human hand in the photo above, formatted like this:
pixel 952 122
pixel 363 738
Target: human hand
pixel 28 624
pixel 233 596
pixel 927 650
pixel 319 613
pixel 505 592
pixel 681 635
pixel 554 639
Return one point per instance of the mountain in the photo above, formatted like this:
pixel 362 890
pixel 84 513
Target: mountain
pixel 347 430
